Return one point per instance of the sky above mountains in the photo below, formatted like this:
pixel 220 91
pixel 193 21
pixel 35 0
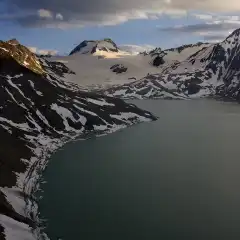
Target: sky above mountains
pixel 59 25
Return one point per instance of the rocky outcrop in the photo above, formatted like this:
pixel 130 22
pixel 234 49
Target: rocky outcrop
pixel 119 68
pixel 158 61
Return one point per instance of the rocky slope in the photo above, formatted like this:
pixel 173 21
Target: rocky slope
pixel 38 114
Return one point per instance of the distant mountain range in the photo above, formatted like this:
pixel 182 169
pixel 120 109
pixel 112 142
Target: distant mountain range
pixel 188 71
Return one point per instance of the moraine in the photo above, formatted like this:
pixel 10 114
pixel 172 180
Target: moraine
pixel 175 178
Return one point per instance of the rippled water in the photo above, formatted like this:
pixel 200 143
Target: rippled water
pixel 177 178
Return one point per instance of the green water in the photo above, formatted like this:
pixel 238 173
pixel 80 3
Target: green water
pixel 174 179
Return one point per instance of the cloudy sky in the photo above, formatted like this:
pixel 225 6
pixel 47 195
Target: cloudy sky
pixel 59 25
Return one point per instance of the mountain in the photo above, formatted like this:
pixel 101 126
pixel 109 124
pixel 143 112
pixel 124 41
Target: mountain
pixel 221 64
pixel 187 71
pixel 115 67
pixel 164 86
pixel 39 112
pixel 167 57
pixel 91 47
pixel 99 64
pixel 212 71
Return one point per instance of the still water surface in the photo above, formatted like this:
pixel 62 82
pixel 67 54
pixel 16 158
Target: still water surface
pixel 174 179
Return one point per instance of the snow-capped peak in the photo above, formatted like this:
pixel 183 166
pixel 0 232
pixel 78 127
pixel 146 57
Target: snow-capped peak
pixel 93 46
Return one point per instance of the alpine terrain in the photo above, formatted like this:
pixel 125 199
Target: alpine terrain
pixel 48 101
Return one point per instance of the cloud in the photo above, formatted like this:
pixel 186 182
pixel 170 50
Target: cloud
pixel 75 13
pixel 204 27
pixel 211 31
pixel 203 16
pixel 33 49
pixel 59 16
pixel 42 51
pixel 216 17
pixel 215 37
pixel 43 13
pixel 135 49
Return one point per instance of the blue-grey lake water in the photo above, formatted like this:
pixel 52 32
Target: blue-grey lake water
pixel 174 179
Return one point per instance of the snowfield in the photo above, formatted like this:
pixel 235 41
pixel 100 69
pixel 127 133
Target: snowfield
pixel 93 72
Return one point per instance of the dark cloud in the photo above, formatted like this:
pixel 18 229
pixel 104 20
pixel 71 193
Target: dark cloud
pixel 215 37
pixel 203 27
pixel 67 13
pixel 209 32
pixel 76 12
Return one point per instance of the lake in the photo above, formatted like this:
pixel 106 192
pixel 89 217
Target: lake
pixel 174 179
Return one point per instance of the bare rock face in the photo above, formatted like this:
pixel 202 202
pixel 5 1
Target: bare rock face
pixel 119 68
pixel 158 61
